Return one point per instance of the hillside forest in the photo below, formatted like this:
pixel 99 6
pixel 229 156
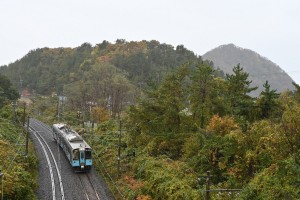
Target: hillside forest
pixel 173 116
pixel 17 165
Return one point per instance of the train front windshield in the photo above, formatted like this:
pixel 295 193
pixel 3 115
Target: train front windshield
pixel 88 154
pixel 76 154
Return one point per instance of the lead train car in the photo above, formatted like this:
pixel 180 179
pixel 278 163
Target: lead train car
pixel 78 152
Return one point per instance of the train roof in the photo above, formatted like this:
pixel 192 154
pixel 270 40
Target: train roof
pixel 71 136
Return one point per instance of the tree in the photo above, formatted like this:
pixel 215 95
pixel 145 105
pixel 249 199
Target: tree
pixel 103 84
pixel 160 109
pixel 219 97
pixel 120 94
pixel 291 125
pixel 296 93
pixel 7 91
pixel 267 101
pixel 241 102
pixel 201 90
pixel 173 98
pixel 279 181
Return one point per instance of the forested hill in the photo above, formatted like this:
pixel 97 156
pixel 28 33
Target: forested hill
pixel 259 68
pixel 47 70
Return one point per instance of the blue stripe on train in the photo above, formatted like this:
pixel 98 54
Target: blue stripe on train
pixel 75 163
pixel 88 162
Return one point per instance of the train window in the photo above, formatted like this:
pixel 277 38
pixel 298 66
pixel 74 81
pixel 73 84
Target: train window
pixel 88 154
pixel 76 154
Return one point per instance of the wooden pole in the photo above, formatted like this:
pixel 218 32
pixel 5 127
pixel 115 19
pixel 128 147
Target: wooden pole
pixel 119 149
pixel 27 135
pixel 207 186
pixel 24 115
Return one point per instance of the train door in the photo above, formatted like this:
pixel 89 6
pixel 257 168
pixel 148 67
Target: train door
pixel 82 158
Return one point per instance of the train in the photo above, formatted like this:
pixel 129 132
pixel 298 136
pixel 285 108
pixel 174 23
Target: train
pixel 77 151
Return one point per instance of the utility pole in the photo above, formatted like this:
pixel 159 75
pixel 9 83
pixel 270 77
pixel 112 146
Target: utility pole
pixel 24 111
pixel 119 148
pixel 57 108
pixel 27 135
pixel 78 117
pixel 14 104
pixel 83 114
pixel 21 86
pixel 207 186
pixel 62 105
pixel 1 175
pixel 93 124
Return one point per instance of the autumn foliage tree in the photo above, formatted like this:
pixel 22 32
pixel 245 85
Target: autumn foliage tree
pixel 221 125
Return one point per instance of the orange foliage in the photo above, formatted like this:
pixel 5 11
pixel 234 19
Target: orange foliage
pixel 103 59
pixel 221 125
pixel 100 114
pixel 132 183
pixel 143 197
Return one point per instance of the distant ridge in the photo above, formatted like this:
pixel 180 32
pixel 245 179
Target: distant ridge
pixel 260 69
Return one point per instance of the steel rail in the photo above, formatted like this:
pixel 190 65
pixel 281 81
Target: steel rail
pixel 85 187
pixel 93 187
pixel 56 166
pixel 49 164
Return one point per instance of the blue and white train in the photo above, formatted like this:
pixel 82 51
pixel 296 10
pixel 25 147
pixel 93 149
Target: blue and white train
pixel 78 152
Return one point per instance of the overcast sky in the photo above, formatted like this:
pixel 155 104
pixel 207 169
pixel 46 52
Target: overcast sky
pixel 268 27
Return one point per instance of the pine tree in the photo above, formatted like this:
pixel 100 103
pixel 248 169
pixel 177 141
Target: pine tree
pixel 267 101
pixel 241 102
pixel 201 90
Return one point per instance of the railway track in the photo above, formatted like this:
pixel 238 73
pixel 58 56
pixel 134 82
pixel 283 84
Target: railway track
pixel 88 187
pixel 54 172
pixel 57 171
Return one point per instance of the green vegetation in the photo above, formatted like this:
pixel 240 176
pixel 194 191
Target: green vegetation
pixel 46 70
pixel 7 92
pixel 20 171
pixel 180 118
pixel 247 144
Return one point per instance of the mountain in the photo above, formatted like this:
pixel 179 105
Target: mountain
pixel 47 70
pixel 260 69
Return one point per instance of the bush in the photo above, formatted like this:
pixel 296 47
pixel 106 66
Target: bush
pixel 279 181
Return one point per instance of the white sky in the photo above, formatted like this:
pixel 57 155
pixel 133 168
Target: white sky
pixel 268 27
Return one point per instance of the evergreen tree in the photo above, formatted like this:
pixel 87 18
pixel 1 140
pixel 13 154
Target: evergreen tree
pixel 173 97
pixel 241 102
pixel 7 92
pixel 296 93
pixel 161 110
pixel 267 101
pixel 201 90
